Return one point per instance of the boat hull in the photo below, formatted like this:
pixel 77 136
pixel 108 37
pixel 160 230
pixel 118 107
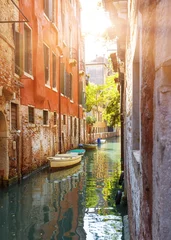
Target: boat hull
pixel 76 151
pixel 64 161
pixel 90 146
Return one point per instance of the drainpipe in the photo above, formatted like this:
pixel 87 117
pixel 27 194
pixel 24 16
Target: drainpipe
pixel 59 92
pixel 78 81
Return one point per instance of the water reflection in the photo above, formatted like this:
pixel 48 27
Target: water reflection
pixel 103 220
pixel 76 203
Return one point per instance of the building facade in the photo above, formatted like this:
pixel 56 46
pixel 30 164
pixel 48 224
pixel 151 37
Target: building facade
pixel 44 112
pixel 146 113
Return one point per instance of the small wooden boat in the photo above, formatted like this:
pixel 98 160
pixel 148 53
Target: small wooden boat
pixel 64 160
pixel 77 150
pixel 90 146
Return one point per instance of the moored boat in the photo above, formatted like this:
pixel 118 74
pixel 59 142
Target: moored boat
pixel 99 141
pixel 78 151
pixel 64 160
pixel 89 146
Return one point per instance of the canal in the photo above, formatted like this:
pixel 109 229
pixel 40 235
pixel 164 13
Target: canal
pixel 71 204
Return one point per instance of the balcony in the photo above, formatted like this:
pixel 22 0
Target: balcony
pixel 72 57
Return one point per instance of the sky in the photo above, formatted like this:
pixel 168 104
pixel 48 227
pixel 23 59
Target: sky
pixel 94 22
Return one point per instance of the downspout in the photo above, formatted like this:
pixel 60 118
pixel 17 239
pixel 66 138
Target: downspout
pixel 78 80
pixel 59 92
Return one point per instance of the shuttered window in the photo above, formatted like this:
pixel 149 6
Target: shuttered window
pixel 71 126
pixel 53 71
pixel 75 127
pixel 27 50
pixel 69 88
pixel 62 78
pixel 13 116
pixel 64 119
pixel 55 118
pixel 46 64
pixel 31 114
pixel 45 117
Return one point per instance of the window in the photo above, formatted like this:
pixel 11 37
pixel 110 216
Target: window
pixel 45 117
pixel 49 9
pixel 71 126
pixel 13 116
pixel 64 119
pixel 75 127
pixel 53 71
pixel 31 114
pixel 46 64
pixel 68 85
pixel 62 78
pixel 55 118
pixel 18 51
pixel 27 50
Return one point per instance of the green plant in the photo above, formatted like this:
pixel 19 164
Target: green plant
pixel 90 120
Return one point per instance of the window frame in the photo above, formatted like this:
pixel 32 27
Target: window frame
pixel 54 78
pixel 27 60
pixel 54 118
pixel 33 117
pixel 47 81
pixel 45 117
pixel 14 128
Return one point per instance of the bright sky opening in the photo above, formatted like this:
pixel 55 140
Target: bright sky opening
pixel 94 23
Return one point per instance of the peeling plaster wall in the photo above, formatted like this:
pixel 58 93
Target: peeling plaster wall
pixel 40 141
pixel 8 89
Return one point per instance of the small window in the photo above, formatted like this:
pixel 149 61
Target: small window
pixel 13 116
pixel 53 71
pixel 55 118
pixel 64 119
pixel 45 117
pixel 75 127
pixel 46 64
pixel 71 126
pixel 31 114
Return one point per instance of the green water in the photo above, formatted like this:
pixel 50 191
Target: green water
pixel 76 203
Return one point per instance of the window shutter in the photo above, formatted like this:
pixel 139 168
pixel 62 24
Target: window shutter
pixel 62 77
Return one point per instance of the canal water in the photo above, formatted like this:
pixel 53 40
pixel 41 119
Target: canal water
pixel 71 204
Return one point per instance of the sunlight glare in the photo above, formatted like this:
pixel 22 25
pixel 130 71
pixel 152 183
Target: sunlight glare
pixel 94 19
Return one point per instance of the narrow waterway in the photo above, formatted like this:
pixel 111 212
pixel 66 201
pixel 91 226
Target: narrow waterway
pixel 71 204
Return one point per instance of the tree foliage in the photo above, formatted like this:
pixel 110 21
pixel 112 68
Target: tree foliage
pixel 106 96
pixel 90 120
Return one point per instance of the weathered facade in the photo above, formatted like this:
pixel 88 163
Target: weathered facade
pixel 42 83
pixel 147 116
pixel 9 93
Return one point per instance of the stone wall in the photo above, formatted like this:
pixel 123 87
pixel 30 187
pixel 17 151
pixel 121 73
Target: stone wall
pixel 162 124
pixel 148 157
pixel 9 90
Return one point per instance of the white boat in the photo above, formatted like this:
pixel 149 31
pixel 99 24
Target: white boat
pixel 100 141
pixel 64 160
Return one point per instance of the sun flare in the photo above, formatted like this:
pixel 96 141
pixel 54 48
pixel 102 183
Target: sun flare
pixel 94 19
